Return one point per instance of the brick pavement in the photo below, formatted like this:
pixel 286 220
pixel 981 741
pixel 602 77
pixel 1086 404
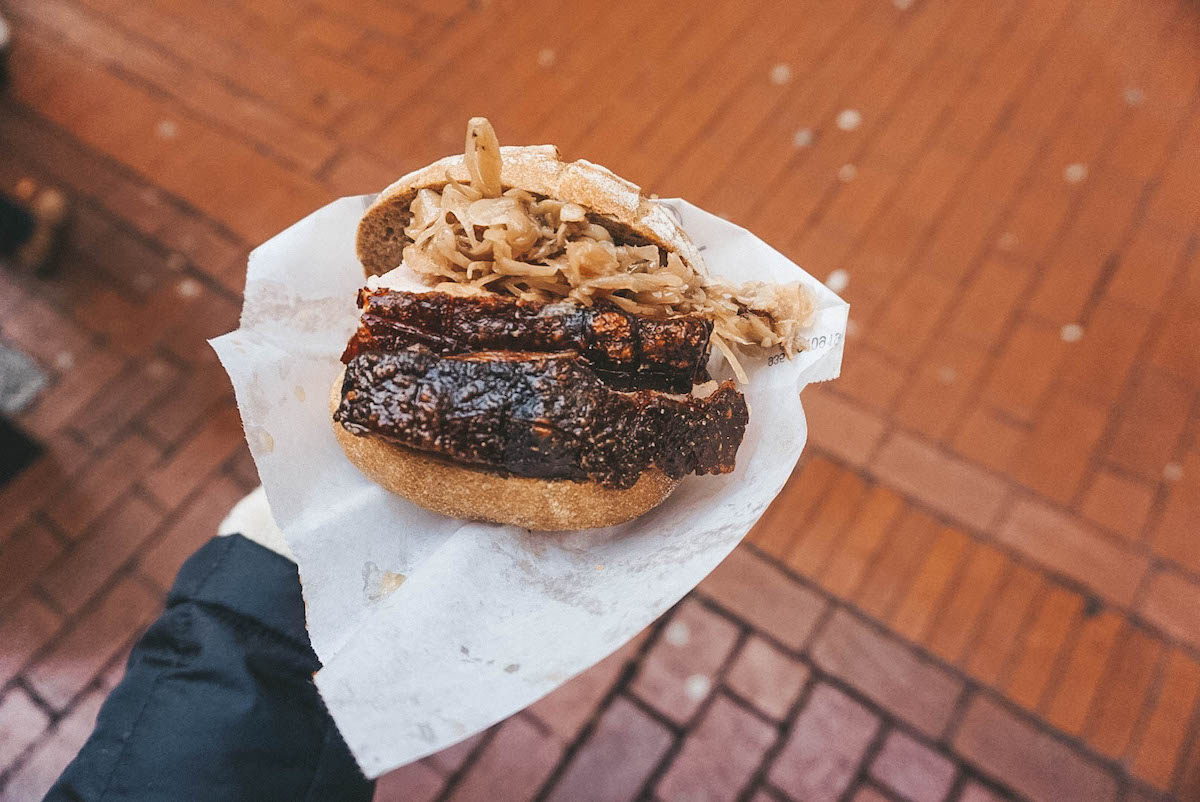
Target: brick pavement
pixel 983 581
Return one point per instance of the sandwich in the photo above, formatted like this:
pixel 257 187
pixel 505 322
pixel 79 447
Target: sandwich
pixel 552 364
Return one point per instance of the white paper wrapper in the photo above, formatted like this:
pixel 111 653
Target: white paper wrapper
pixel 429 628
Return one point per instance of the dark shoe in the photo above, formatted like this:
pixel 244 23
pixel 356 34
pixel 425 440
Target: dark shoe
pixel 49 209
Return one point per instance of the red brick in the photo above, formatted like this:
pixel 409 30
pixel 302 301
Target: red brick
pixel 1146 266
pixel 1172 602
pixel 94 488
pixel 1062 544
pixel 766 677
pixel 888 672
pixel 982 315
pixel 966 602
pixel 1068 708
pixel 676 675
pixel 1175 534
pixel 21 724
pixel 719 756
pixel 912 317
pixel 1150 425
pixel 513 765
pixel 1054 457
pixel 817 539
pixel 1025 370
pixel 778 528
pixel 1163 738
pixel 37 484
pixel 1045 640
pixel 974 792
pixel 41 331
pixel 866 793
pixel 415 782
pixel 884 585
pixel 451 759
pixel 945 483
pixel 123 400
pixel 91 562
pixel 616 758
pixel 862 541
pixel 920 605
pixel 48 759
pixel 1005 617
pixel 243 470
pixel 92 640
pixel 1187 785
pixel 1035 764
pixel 1118 503
pixel 26 554
pixel 565 710
pixel 57 408
pixel 1099 364
pixel 825 745
pixel 199 456
pixel 161 558
pixel 1179 335
pixel 25 628
pixel 205 388
pixel 941 388
pixel 912 769
pixel 840 427
pixel 1119 706
pixel 871 379
pixel 764 597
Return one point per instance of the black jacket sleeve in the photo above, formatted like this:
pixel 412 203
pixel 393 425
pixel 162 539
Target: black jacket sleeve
pixel 218 702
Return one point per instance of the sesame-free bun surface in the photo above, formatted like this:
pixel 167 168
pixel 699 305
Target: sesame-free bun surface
pixel 537 169
pixel 474 494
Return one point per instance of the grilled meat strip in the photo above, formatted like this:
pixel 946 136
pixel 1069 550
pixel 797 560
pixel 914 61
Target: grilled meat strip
pixel 627 351
pixel 538 415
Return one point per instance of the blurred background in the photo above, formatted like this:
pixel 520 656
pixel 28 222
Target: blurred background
pixel 983 580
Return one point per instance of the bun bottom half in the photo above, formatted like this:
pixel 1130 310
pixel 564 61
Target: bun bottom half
pixel 461 491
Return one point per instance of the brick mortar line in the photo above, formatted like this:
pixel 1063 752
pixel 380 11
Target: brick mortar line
pixel 185 64
pixel 716 112
pixel 1138 220
pixel 1035 276
pixel 127 569
pixel 878 60
pixel 677 38
pixel 944 41
pixel 1139 370
pixel 689 727
pixel 454 779
pixel 971 686
pixel 719 111
pixel 619 685
pixel 983 148
pixel 56 717
pixel 31 117
pixel 1017 492
pixel 817 675
pixel 825 49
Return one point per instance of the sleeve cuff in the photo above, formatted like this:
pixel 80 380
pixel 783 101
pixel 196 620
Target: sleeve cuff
pixel 248 579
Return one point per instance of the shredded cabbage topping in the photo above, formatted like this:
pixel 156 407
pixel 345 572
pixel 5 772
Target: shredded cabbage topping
pixel 476 237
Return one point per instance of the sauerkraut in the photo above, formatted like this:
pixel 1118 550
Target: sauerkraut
pixel 477 237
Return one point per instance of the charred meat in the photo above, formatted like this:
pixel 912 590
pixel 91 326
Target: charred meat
pixel 538 415
pixel 627 351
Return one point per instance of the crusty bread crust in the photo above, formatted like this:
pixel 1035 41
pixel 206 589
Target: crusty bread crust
pixel 463 492
pixel 537 169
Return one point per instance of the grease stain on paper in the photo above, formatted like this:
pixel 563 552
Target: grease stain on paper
pixel 379 584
